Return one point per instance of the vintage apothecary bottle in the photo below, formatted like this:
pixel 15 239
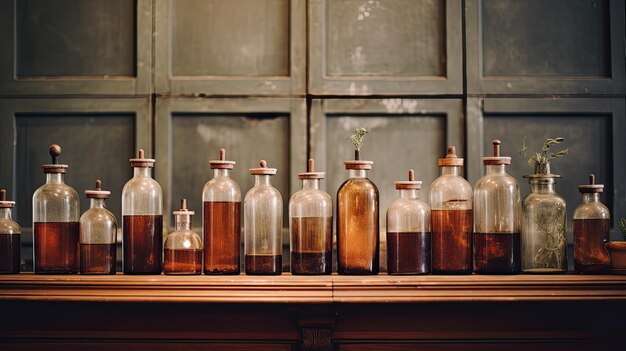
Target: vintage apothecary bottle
pixel 311 226
pixel 10 237
pixel 544 245
pixel 142 225
pixel 496 238
pixel 98 231
pixel 592 225
pixel 408 231
pixel 263 224
pixel 222 219
pixel 56 213
pixel 183 247
pixel 451 218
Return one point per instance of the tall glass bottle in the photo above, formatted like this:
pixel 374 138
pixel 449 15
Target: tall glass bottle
pixel 98 231
pixel 142 203
pixel 592 226
pixel 544 245
pixel 263 224
pixel 451 218
pixel 55 221
pixel 496 238
pixel 311 226
pixel 408 231
pixel 357 221
pixel 10 237
pixel 221 222
pixel 183 247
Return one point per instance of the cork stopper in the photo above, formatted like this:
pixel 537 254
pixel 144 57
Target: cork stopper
pixel 451 159
pixel 3 200
pixel 310 172
pixel 54 166
pixel 142 162
pixel 98 193
pixel 222 163
pixel 183 209
pixel 358 164
pixel 263 170
pixel 592 187
pixel 496 159
pixel 410 184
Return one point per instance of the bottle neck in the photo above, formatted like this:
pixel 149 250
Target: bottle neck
pixel 357 173
pixel 408 194
pixel 542 185
pixel 97 203
pixel 591 197
pixel 183 222
pixel 54 178
pixel 495 169
pixel 142 172
pixel 451 170
pixel 220 172
pixel 5 213
pixel 261 180
pixel 311 184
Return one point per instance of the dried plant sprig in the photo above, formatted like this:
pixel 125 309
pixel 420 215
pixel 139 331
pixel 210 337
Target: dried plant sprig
pixel 622 226
pixel 539 160
pixel 357 137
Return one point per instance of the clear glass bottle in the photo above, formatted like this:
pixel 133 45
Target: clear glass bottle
pixel 56 213
pixel 183 247
pixel 496 238
pixel 544 245
pixel 10 237
pixel 358 239
pixel 222 219
pixel 98 231
pixel 311 226
pixel 451 218
pixel 592 226
pixel 142 225
pixel 263 224
pixel 408 231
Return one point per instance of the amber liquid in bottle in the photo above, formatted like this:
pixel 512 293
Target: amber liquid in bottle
pixel 10 253
pixel 97 258
pixel 143 244
pixel 222 237
pixel 497 253
pixel 311 252
pixel 451 241
pixel 56 247
pixel 183 261
pixel 357 227
pixel 590 254
pixel 408 252
pixel 264 264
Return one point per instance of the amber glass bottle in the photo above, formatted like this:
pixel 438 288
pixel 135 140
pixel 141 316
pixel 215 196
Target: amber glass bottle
pixel 183 247
pixel 10 237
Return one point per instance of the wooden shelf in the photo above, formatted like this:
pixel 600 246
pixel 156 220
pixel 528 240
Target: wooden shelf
pixel 315 289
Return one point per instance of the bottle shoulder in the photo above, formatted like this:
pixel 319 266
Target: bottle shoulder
pixel 55 191
pixel 221 188
pixel 141 184
pixel 183 239
pixel 496 181
pixel 8 226
pixel 310 195
pixel 408 205
pixel 98 215
pixel 357 184
pixel 263 192
pixel 594 210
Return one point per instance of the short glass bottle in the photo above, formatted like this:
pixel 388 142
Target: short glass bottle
pixel 408 231
pixel 496 238
pixel 142 225
pixel 10 237
pixel 222 219
pixel 544 221
pixel 263 224
pixel 311 226
pixel 358 238
pixel 451 218
pixel 56 228
pixel 98 231
pixel 183 247
pixel 592 226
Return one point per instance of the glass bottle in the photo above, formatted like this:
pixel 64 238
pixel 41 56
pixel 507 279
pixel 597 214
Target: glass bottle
pixel 98 231
pixel 56 213
pixel 543 225
pixel 311 226
pixel 183 247
pixel 451 218
pixel 142 225
pixel 592 226
pixel 408 231
pixel 358 239
pixel 10 237
pixel 263 224
pixel 222 219
pixel 496 238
